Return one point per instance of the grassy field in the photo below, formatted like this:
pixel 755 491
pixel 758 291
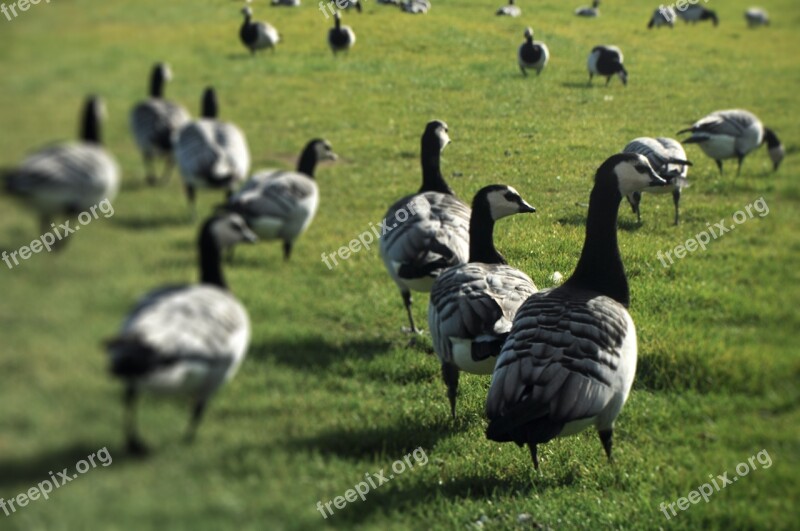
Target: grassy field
pixel 330 391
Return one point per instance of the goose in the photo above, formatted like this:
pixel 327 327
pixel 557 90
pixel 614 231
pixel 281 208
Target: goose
pixel 432 233
pixel 472 305
pixel 755 16
pixel 280 204
pixel 662 16
pixel 340 38
pixel 70 177
pixel 733 134
pixel 532 54
pixel 257 35
pixel 285 3
pixel 354 4
pixel 570 358
pixel 511 10
pixel 668 159
pixel 184 339
pixel 211 153
pixel 155 123
pixel 590 12
pixel 416 7
pixel 607 61
pixel 695 13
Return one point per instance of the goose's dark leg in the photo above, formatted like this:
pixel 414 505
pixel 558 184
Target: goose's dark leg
pixel 676 198
pixel 197 416
pixel 739 169
pixel 149 169
pixel 190 196
pixel 287 250
pixel 719 165
pixel 450 376
pixel 532 447
pixel 590 78
pixel 522 69
pixel 608 80
pixel 135 444
pixel 634 199
pixel 168 164
pixel 407 301
pixel 606 437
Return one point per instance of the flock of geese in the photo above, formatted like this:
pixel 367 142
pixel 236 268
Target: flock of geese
pixel 561 359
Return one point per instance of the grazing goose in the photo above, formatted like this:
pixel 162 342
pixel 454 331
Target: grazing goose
pixel 70 177
pixel 590 12
pixel 340 38
pixel 662 16
pixel 427 232
pixel 755 16
pixel 472 305
pixel 668 159
pixel 285 3
pixel 532 54
pixel 416 7
pixel 570 358
pixel 186 339
pixel 695 13
pixel 257 35
pixel 280 204
pixel 733 134
pixel 211 153
pixel 510 10
pixel 155 123
pixel 607 61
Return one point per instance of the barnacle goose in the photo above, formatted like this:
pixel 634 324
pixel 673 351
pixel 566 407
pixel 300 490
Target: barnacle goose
pixel 733 134
pixel 511 10
pixel 70 177
pixel 155 123
pixel 607 61
pixel 416 7
pixel 211 153
pixel 589 11
pixel 755 16
pixel 285 3
pixel 472 305
pixel 257 35
pixel 425 233
pixel 695 13
pixel 532 54
pixel 354 4
pixel 662 16
pixel 185 339
pixel 340 38
pixel 570 358
pixel 668 159
pixel 280 204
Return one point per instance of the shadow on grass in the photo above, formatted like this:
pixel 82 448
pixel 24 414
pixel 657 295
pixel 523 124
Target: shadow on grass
pixel 151 222
pixel 575 85
pixel 312 354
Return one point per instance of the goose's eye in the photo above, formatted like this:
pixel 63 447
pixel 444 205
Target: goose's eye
pixel 510 196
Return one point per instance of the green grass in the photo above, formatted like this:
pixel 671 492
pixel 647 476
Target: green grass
pixel 329 390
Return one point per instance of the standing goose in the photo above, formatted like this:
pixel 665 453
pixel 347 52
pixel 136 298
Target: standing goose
pixel 511 10
pixel 280 204
pixel 695 13
pixel 607 61
pixel 662 16
pixel 70 177
pixel 257 35
pixel 590 12
pixel 733 134
pixel 155 123
pixel 427 232
pixel 532 54
pixel 570 358
pixel 340 38
pixel 668 159
pixel 188 339
pixel 472 305
pixel 755 16
pixel 211 153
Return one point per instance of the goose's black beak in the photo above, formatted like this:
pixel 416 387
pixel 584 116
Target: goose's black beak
pixel 525 207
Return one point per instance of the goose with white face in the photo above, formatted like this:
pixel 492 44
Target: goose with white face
pixel 634 174
pixel 506 201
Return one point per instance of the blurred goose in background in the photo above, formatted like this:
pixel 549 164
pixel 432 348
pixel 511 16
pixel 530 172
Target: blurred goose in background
pixel 472 305
pixel 511 10
pixel 340 38
pixel 356 4
pixel 607 61
pixel 279 204
pixel 755 16
pixel 415 7
pixel 668 159
pixel 285 3
pixel 257 35
pixel 427 232
pixel 67 178
pixel 155 123
pixel 532 54
pixel 696 13
pixel 590 12
pixel 570 358
pixel 733 134
pixel 211 153
pixel 185 339
pixel 662 16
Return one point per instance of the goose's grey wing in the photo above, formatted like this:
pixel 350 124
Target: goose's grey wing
pixel 274 194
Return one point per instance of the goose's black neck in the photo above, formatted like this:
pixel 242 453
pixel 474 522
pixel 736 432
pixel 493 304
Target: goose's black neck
pixel 157 82
pixel 209 108
pixel 308 161
pixel 338 22
pixel 600 267
pixel 247 19
pixel 481 239
pixel 432 180
pixel 210 259
pixel 90 124
pixel 771 138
